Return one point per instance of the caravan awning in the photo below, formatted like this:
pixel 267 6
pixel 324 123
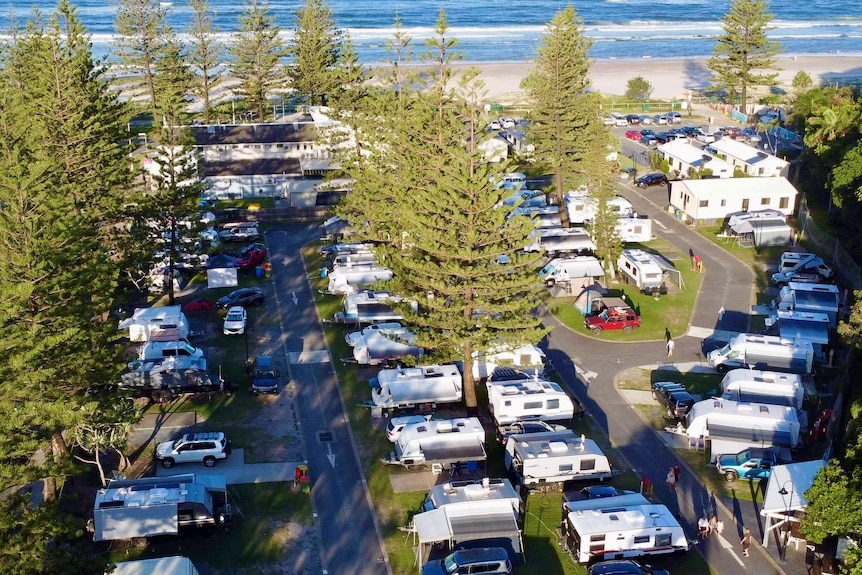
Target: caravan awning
pixel 432 526
pixel 115 523
pixel 467 523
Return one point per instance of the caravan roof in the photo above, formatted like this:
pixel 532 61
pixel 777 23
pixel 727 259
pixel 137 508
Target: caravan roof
pixel 469 491
pixel 524 387
pixel 554 444
pixel 622 518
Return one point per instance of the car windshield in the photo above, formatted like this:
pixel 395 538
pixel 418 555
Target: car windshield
pixel 449 564
pixel 266 373
pixel 234 316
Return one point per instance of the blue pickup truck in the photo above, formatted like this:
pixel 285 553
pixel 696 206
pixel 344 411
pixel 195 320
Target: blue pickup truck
pixel 744 465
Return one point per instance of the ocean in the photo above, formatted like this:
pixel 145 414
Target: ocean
pixel 503 31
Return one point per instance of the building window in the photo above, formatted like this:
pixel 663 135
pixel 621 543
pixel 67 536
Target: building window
pixel 703 204
pixel 723 203
pixel 764 201
pixel 783 203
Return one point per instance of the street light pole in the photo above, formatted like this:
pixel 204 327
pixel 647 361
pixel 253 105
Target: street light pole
pixel 786 532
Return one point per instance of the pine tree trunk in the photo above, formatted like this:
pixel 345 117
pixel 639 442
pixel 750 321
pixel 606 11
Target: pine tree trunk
pixel 470 400
pixel 58 447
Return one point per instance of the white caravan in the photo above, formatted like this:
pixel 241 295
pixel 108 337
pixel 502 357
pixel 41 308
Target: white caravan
pixel 556 239
pixel 814 298
pixel 406 387
pixel 641 269
pixel 583 209
pixel 547 460
pixel 166 323
pixel 375 349
pixel 158 350
pixel 528 400
pixel 525 356
pixel 622 531
pixel 386 329
pixel 368 307
pixel 580 269
pixel 345 280
pixel 763 352
pixel 732 426
pixel 440 441
pixel 470 493
pixel 634 229
pixel 769 387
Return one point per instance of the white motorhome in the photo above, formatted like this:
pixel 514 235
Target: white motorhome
pixel 556 239
pixel 440 441
pixel 634 229
pixel 524 400
pixel 731 426
pixel 407 387
pixel 468 492
pixel 525 356
pixel 622 531
pixel 641 269
pixel 578 270
pixel 583 209
pixel 167 323
pixel 368 307
pixel 769 387
pixel 153 506
pixel 763 352
pixel 547 460
pixel 346 279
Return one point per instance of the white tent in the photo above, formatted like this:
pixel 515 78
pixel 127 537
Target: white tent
pixel 785 494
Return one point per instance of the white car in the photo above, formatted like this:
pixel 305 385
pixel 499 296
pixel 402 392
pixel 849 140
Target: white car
pixel 704 137
pixel 205 447
pixel 507 122
pixel 495 125
pixel 235 320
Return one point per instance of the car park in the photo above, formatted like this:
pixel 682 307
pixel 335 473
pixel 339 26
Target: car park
pixel 745 465
pixel 633 135
pixel 624 567
pixel 485 560
pixel 235 320
pixel 264 377
pixel 613 318
pixel 655 179
pixel 205 447
pixel 633 119
pixel 243 296
pixel 751 135
pixel 251 256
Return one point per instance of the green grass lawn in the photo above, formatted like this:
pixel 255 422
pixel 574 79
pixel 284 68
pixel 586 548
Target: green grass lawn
pixel 670 312
pixel 759 260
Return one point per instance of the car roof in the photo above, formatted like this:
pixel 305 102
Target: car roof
pixel 482 553
pixel 235 309
pixel 621 567
pixel 681 395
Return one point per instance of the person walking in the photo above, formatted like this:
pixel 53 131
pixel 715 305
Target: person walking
pixel 713 525
pixel 670 346
pixel 703 527
pixel 671 480
pixel 676 473
pixel 746 541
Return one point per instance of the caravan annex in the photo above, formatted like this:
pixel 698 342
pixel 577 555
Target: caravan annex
pixel 715 199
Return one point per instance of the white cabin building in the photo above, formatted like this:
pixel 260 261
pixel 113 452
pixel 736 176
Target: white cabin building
pixel 750 160
pixel 686 159
pixel 715 199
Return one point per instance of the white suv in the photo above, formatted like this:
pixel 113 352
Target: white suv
pixel 200 447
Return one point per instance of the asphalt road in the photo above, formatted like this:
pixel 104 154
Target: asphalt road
pixel 349 535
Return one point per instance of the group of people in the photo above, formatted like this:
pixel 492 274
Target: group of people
pixel 673 477
pixel 706 527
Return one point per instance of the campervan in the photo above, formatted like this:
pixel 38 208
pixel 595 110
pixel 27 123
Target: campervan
pixel 158 350
pixel 577 269
pixel 554 240
pixel 634 229
pixel 769 387
pixel 547 460
pixel 731 426
pixel 440 441
pixel 153 506
pixel 368 307
pixel 528 399
pixel 167 323
pixel 407 387
pixel 814 298
pixel 346 279
pixel 641 269
pixel 622 531
pixel 763 352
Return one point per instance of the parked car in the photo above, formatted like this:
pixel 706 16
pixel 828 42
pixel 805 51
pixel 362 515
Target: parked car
pixel 633 119
pixel 205 447
pixel 241 233
pixel 705 138
pixel 251 256
pixel 751 135
pixel 264 377
pixel 235 320
pixel 198 304
pixel 646 119
pixel 243 296
pixel 623 318
pixel 660 119
pixel 495 125
pixel 662 384
pixel 674 118
pixel 675 401
pixel 522 427
pixel 648 137
pixel 608 121
pixel 655 179
pixel 624 567
pixel 744 465
pixel 633 135
pixel 507 122
pixel 485 560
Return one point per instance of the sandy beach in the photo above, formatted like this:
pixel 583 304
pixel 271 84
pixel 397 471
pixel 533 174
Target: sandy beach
pixel 670 78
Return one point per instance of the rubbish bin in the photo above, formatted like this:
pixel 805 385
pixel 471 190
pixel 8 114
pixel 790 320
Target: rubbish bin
pixel 323 272
pixel 258 271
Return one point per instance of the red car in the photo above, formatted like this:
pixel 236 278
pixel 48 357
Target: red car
pixel 251 256
pixel 623 318
pixel 633 135
pixel 199 304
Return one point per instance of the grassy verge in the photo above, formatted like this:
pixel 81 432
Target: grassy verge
pixel 259 533
pixel 670 312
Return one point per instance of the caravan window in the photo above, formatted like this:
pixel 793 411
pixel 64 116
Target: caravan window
pixel 641 539
pixel 553 404
pixel 662 540
pixel 566 468
pixel 588 464
pixel 533 405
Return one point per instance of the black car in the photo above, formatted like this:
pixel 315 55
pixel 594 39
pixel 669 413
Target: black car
pixel 243 296
pixel 656 179
pixel 677 402
pixel 633 119
pixel 624 567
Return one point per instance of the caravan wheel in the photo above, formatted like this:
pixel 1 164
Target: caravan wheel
pixel 721 368
pixel 550 282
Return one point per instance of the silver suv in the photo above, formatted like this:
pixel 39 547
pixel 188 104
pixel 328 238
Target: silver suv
pixel 485 560
pixel 205 447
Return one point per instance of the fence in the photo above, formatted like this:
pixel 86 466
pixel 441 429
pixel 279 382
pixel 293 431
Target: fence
pixel 847 271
